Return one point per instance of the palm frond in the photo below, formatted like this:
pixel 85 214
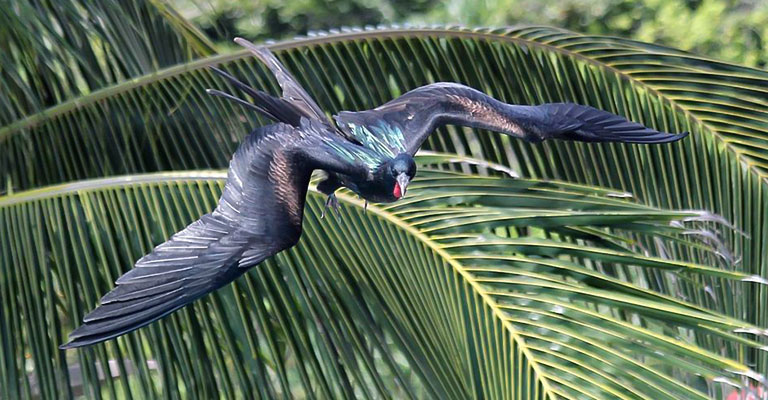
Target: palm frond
pixel 117 131
pixel 473 286
pixel 487 286
pixel 55 51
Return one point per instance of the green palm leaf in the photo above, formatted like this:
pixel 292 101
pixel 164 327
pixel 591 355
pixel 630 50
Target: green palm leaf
pixel 58 50
pixel 486 294
pixel 472 286
pixel 118 131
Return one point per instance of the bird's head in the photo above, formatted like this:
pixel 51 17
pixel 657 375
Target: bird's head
pixel 398 173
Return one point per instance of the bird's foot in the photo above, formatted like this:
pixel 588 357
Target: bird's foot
pixel 331 202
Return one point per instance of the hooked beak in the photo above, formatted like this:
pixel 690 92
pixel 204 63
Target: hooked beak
pixel 402 184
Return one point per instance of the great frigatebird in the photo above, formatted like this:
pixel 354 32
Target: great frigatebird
pixel 370 152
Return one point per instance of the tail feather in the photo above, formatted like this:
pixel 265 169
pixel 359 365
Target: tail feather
pixel 272 107
pixel 292 91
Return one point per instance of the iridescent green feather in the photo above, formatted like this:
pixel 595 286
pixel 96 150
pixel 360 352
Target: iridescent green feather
pixel 385 139
pixel 355 154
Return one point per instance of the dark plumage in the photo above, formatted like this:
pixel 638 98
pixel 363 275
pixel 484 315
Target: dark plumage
pixel 370 152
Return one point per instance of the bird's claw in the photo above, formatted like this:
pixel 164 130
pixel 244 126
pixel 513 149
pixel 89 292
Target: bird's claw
pixel 332 202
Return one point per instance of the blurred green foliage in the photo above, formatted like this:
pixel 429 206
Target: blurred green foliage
pixel 277 19
pixel 730 30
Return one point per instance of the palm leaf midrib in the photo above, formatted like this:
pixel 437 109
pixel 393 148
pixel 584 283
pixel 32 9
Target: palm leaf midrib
pixel 381 213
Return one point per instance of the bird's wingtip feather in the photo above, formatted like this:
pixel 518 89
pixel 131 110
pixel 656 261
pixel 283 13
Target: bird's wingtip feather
pixel 67 346
pixel 74 340
pixel 670 137
pixel 595 125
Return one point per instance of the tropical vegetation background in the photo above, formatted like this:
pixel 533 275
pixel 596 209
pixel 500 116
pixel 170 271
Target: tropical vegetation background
pixel 729 30
pixel 511 270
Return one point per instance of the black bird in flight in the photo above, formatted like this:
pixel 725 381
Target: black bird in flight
pixel 370 152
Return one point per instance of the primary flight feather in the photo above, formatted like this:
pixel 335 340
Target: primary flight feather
pixel 370 152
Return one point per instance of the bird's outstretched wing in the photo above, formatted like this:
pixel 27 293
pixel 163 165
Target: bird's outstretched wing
pixel 292 91
pixel 259 214
pixel 403 124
